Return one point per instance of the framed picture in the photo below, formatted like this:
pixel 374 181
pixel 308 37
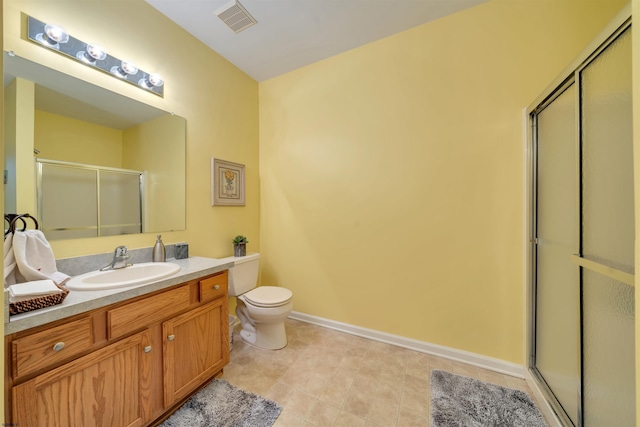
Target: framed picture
pixel 227 183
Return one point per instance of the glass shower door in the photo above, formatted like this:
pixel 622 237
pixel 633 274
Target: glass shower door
pixel 608 235
pixel 120 203
pixel 583 352
pixel 557 317
pixel 106 201
pixel 60 187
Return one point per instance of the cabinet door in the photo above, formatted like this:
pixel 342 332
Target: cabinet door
pixel 110 387
pixel 196 346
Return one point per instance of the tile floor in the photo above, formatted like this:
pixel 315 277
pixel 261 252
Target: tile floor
pixel 329 378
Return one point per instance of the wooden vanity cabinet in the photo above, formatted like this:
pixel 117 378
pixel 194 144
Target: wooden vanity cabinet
pixel 144 357
pixel 193 350
pixel 109 387
pixel 42 349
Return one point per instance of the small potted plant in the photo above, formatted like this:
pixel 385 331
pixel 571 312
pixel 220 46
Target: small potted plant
pixel 240 245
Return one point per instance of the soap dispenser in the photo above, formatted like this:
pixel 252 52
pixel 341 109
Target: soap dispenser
pixel 159 254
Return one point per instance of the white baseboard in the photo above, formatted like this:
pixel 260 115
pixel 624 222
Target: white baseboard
pixel 474 359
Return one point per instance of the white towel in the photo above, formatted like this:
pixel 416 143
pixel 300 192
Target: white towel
pixel 34 288
pixel 28 290
pixel 9 261
pixel 34 257
pixel 11 273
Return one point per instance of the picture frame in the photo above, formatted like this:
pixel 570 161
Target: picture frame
pixel 227 183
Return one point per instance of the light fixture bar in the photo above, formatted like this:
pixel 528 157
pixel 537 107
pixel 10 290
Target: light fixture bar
pixel 55 38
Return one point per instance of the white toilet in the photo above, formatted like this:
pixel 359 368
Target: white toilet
pixel 262 310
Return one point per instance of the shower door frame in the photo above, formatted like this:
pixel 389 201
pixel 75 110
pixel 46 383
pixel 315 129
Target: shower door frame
pixel 570 76
pixel 547 393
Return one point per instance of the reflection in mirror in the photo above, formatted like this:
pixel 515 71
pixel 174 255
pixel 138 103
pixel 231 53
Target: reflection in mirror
pixel 71 122
pixel 76 200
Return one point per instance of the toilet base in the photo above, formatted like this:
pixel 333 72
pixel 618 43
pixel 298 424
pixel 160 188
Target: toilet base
pixel 267 336
pixel 263 327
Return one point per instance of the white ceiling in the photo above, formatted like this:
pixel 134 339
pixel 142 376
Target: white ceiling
pixel 294 33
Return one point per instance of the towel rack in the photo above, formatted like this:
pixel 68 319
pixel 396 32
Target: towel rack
pixel 11 219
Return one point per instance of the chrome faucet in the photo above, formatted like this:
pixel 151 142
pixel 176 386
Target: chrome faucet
pixel 120 258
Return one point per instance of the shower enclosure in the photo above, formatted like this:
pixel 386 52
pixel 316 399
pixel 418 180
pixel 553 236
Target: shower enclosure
pixel 582 239
pixel 76 200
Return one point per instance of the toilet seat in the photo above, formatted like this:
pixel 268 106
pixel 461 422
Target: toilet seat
pixel 268 296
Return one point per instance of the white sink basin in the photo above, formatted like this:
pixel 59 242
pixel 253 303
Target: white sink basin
pixel 136 274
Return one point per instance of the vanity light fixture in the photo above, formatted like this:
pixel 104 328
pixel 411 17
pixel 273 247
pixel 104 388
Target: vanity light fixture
pixel 55 38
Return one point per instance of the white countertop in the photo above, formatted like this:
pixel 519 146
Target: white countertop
pixel 82 301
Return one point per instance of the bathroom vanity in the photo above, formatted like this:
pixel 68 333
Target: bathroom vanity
pixel 123 357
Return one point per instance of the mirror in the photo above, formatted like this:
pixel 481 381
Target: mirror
pixel 52 117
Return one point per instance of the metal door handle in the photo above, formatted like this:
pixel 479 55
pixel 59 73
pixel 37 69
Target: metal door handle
pixel 171 337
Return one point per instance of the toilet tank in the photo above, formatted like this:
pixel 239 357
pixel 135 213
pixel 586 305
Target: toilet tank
pixel 243 276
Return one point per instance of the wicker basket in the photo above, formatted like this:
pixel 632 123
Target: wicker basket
pixel 35 303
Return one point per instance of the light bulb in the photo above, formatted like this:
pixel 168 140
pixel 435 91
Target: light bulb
pixel 52 36
pixel 154 80
pixel 124 69
pixel 56 33
pixel 92 54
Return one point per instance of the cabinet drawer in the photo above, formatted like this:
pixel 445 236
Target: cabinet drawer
pixel 140 314
pixel 213 287
pixel 48 347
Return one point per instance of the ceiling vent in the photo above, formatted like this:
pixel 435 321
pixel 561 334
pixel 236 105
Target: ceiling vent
pixel 236 16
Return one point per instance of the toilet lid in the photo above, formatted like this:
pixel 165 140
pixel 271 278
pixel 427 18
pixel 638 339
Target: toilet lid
pixel 268 296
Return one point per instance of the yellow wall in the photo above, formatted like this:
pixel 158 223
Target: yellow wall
pixel 20 98
pixel 219 102
pixel 392 174
pixel 148 147
pixel 71 140
pixel 10 94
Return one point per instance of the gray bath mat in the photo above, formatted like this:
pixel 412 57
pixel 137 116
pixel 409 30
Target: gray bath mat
pixel 461 401
pixel 220 404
